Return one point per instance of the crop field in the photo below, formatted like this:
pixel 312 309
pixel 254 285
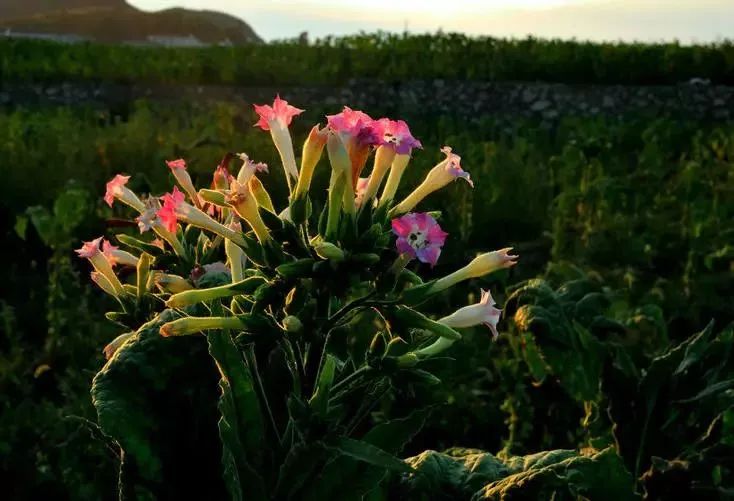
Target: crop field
pixel 612 376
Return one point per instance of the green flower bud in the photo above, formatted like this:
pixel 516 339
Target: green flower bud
pixel 292 324
pixel 327 250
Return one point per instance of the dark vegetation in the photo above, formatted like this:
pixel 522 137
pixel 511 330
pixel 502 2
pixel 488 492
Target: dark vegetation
pixel 625 228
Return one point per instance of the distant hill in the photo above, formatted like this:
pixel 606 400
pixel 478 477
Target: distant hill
pixel 115 21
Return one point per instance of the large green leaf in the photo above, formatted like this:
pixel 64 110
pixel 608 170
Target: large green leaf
pixel 240 426
pixel 157 398
pixel 559 474
pixel 565 475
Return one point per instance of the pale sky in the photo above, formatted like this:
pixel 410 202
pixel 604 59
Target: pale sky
pixel 643 20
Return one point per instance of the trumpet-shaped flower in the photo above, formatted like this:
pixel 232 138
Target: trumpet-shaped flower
pixel 484 312
pixel 482 265
pixel 116 190
pixel 241 199
pixel 396 134
pixel 167 213
pixel 148 219
pixel 419 236
pixel 92 252
pixel 359 132
pixel 116 256
pixel 442 174
pixel 280 114
pixel 356 124
pixel 89 249
pixel 175 209
pixel 249 168
pixel 276 119
pixel 178 169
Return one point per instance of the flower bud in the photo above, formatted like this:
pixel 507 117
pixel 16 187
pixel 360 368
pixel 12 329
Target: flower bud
pixel 313 148
pixel 292 324
pixel 189 297
pixel 327 250
pixel 480 266
pixel 193 325
pixel 171 283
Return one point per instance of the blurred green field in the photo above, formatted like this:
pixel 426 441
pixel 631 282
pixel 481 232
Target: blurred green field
pixel 385 56
pixel 643 209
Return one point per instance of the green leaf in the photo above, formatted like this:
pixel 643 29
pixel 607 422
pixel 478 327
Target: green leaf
pixel 363 451
pixel 710 391
pixel 154 397
pixel 241 424
pixel 346 478
pixel 70 209
pixel 319 402
pixel 565 475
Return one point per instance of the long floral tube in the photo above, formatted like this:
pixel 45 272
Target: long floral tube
pixel 384 157
pixel 397 169
pixel 189 297
pixel 193 325
pixel 441 175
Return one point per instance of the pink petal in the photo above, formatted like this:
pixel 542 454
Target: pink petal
pixel 89 249
pixel 280 110
pixel 113 185
pixel 176 164
pixel 401 227
pixel 436 235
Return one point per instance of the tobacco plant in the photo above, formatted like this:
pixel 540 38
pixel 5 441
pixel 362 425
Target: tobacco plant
pixel 310 313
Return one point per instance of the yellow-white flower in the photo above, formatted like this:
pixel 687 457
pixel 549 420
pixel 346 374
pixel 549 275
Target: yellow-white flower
pixel 481 265
pixel 442 174
pixel 482 313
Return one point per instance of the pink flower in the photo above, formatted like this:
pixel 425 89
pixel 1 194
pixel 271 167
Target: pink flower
pixel 419 236
pixel 280 112
pixel 109 251
pixel 357 125
pixel 167 213
pixel 114 187
pixel 453 166
pixel 89 249
pixel 395 133
pixel 482 313
pixel 221 178
pixel 176 164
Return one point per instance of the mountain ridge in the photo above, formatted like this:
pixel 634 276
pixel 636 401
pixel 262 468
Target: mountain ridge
pixel 115 21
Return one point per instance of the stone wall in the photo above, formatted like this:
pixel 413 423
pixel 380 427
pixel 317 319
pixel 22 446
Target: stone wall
pixel 548 101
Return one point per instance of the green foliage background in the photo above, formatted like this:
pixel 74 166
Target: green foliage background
pixel 641 207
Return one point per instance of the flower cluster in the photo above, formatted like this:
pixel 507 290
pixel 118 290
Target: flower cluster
pixel 293 268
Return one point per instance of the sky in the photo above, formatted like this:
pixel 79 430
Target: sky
pixel 629 20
